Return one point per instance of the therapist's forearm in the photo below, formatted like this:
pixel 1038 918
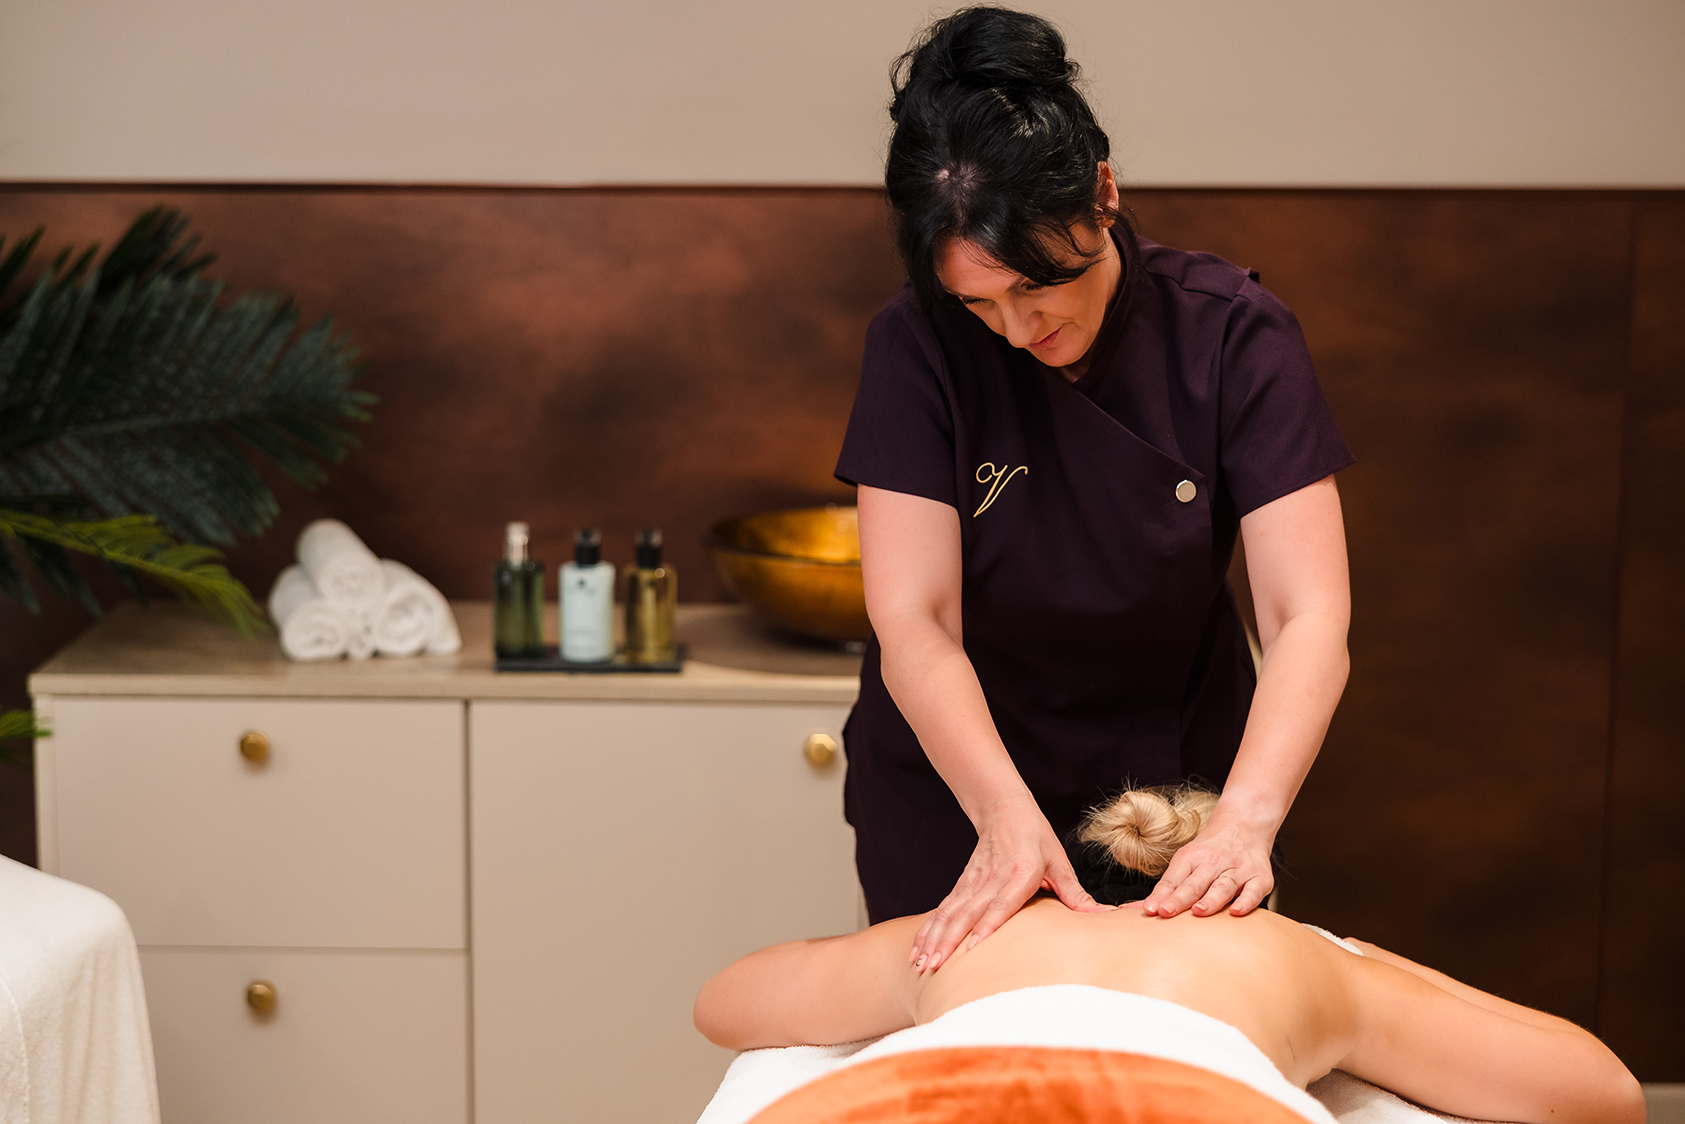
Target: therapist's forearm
pixel 933 683
pixel 1303 675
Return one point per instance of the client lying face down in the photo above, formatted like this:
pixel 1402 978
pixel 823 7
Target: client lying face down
pixel 1308 1004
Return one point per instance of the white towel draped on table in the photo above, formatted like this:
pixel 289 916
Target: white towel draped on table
pixel 74 1042
pixel 313 627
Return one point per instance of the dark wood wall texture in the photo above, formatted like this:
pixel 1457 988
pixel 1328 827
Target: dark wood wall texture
pixel 1502 794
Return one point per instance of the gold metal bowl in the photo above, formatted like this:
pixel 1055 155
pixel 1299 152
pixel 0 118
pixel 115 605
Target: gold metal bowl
pixel 799 568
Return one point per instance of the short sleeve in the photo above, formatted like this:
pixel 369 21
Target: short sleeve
pixel 1277 431
pixel 901 434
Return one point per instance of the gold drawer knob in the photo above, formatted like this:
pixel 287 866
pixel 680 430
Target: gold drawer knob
pixel 254 746
pixel 820 750
pixel 260 997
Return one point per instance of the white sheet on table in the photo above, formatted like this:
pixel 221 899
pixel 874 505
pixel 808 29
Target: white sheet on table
pixel 1354 1101
pixel 74 1042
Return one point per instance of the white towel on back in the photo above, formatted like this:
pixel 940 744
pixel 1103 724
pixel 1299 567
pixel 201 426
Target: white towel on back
pixel 413 616
pixel 344 570
pixel 311 626
pixel 1060 1015
pixel 1068 1016
pixel 1077 1016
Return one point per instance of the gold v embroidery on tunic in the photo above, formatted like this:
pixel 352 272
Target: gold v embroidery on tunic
pixel 996 479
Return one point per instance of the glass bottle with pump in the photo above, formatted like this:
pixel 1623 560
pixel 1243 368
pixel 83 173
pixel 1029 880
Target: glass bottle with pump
pixel 587 595
pixel 518 597
pixel 652 594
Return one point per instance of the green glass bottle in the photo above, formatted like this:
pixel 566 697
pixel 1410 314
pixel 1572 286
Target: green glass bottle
pixel 652 596
pixel 518 598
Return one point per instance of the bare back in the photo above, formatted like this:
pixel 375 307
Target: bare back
pixel 1283 986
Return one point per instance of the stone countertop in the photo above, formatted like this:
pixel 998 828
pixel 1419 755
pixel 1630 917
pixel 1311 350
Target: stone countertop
pixel 167 649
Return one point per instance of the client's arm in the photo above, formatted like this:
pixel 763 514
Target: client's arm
pixel 1459 1050
pixel 1459 989
pixel 835 989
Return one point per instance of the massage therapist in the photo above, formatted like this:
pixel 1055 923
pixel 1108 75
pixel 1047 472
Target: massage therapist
pixel 1059 431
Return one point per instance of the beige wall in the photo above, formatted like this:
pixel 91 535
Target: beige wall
pixel 1195 92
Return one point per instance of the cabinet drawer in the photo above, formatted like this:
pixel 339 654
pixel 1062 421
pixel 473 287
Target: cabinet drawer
pixel 623 854
pixel 349 834
pixel 363 1037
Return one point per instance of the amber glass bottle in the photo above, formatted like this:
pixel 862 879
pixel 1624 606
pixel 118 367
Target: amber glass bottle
pixel 652 597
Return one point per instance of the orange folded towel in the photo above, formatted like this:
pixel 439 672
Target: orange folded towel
pixel 1015 1084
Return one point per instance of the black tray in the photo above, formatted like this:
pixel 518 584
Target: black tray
pixel 552 660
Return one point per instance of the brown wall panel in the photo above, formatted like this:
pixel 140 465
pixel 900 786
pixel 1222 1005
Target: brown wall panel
pixel 1642 1013
pixel 1471 346
pixel 617 358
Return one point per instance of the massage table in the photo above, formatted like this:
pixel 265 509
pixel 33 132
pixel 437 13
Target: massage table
pixel 74 1043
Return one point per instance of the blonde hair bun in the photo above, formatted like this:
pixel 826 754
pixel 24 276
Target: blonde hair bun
pixel 1145 827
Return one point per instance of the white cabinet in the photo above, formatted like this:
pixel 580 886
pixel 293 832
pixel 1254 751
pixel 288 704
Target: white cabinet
pixel 328 860
pixel 622 854
pixel 476 896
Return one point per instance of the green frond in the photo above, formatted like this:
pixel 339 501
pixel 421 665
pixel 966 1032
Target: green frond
pixel 133 383
pixel 133 544
pixel 12 264
pixel 17 727
pixel 153 245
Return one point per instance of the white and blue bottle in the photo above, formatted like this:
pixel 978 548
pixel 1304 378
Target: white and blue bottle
pixel 587 601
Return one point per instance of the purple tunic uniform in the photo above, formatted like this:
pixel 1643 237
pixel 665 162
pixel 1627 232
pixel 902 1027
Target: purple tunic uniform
pixel 1097 522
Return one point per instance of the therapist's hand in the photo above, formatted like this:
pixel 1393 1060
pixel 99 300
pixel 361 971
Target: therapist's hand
pixel 1017 854
pixel 1228 864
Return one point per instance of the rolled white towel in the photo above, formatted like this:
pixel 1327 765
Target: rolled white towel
pixel 344 570
pixel 413 615
pixel 312 627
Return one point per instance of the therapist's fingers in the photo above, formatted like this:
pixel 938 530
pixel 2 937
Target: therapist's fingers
pixel 996 912
pixel 1190 891
pixel 938 920
pixel 1223 890
pixel 948 927
pixel 1022 880
pixel 1010 860
pixel 918 940
pixel 959 906
pixel 1166 885
pixel 1183 884
pixel 1252 895
pixel 1062 880
pixel 952 909
pixel 985 911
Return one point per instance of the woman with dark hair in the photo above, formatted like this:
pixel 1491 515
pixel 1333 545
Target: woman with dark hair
pixel 1059 432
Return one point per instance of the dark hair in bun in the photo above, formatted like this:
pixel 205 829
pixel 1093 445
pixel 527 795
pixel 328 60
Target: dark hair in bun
pixel 994 144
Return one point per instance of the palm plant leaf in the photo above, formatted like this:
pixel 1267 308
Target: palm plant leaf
pixel 153 245
pixel 132 544
pixel 17 726
pixel 132 383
